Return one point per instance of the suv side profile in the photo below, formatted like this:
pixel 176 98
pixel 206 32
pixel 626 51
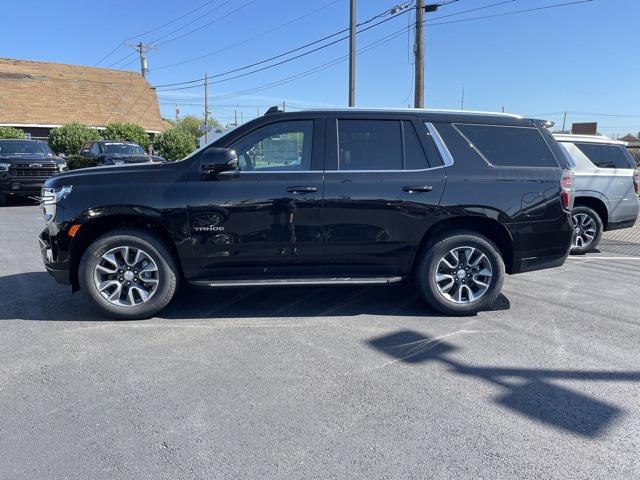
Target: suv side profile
pixel 606 180
pixel 449 199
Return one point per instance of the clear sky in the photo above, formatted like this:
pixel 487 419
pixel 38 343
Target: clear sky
pixel 579 58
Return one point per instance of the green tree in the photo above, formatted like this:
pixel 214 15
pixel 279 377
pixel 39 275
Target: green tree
pixel 10 132
pixel 191 125
pixel 126 132
pixel 174 144
pixel 69 138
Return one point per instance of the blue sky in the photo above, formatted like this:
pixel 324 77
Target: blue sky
pixel 579 58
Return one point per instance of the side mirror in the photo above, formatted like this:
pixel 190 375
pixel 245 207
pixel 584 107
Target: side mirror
pixel 218 160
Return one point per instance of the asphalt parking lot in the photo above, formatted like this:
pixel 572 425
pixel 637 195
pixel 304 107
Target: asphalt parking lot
pixel 338 382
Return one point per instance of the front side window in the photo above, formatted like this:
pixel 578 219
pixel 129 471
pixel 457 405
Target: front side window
pixel 509 146
pixel 369 145
pixel 277 147
pixel 607 156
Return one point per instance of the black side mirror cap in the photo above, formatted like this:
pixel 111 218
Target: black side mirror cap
pixel 218 160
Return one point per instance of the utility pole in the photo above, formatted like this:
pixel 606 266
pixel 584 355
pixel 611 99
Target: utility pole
pixel 235 117
pixel 284 106
pixel 241 117
pixel 177 113
pixel 462 100
pixel 352 55
pixel 564 121
pixel 418 50
pixel 142 49
pixel 206 109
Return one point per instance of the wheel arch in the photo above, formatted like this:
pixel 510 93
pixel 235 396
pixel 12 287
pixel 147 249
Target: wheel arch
pixel 492 229
pixel 91 229
pixel 595 204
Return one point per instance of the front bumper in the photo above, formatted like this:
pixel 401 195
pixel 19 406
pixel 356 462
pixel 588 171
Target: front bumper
pixel 55 261
pixel 21 185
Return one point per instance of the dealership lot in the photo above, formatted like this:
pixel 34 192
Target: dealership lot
pixel 352 382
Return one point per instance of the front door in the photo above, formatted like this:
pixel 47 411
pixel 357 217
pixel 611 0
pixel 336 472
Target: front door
pixel 383 184
pixel 264 219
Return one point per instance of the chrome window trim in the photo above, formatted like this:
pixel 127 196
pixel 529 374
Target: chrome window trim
pixel 447 158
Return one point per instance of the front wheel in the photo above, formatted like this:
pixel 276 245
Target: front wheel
pixel 129 274
pixel 587 230
pixel 461 274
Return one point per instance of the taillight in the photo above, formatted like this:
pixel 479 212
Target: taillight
pixel 636 181
pixel 567 189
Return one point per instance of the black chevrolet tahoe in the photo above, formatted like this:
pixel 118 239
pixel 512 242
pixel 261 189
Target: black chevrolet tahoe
pixel 111 152
pixel 451 200
pixel 24 166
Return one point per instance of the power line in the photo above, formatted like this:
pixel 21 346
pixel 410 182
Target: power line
pixel 282 25
pixel 152 30
pixel 282 55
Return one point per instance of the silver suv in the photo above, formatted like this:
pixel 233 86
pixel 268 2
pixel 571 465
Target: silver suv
pixel 606 182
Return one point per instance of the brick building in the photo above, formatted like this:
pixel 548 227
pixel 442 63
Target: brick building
pixel 39 96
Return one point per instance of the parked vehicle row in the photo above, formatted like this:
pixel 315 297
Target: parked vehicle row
pixel 451 200
pixel 606 187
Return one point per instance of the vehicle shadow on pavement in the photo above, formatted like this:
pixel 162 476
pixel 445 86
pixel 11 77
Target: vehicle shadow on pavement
pixel 37 297
pixel 528 392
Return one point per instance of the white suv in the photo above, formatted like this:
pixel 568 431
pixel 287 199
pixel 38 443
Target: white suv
pixel 606 187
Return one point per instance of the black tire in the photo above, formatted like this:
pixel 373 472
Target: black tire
pixel 429 264
pixel 585 214
pixel 167 272
pixel 3 199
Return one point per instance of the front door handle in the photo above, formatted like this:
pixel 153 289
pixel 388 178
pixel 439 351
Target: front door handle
pixel 417 188
pixel 302 190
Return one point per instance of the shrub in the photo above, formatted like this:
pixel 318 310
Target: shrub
pixel 10 132
pixel 126 132
pixel 69 138
pixel 174 144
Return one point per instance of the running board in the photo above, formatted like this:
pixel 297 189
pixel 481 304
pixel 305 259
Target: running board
pixel 296 281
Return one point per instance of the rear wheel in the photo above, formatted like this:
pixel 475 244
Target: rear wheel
pixel 587 229
pixel 129 274
pixel 461 273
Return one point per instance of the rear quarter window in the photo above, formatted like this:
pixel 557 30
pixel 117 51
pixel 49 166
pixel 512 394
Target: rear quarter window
pixel 510 146
pixel 607 156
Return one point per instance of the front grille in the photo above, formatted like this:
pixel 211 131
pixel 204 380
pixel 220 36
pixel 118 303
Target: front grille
pixel 27 171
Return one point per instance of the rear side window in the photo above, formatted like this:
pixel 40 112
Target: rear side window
pixel 510 146
pixel 414 156
pixel 369 145
pixel 607 156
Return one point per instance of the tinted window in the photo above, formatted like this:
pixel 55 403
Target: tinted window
pixel 510 146
pixel 114 148
pixel 369 145
pixel 607 156
pixel 278 146
pixel 95 149
pixel 22 147
pixel 414 156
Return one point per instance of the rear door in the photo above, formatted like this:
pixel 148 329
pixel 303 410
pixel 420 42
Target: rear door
pixel 383 181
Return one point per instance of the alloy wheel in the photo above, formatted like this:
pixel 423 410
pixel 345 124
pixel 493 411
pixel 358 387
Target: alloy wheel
pixel 584 230
pixel 126 276
pixel 463 275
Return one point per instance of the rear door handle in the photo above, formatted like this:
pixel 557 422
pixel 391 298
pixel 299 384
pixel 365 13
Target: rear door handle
pixel 417 188
pixel 302 190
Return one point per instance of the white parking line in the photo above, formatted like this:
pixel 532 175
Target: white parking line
pixel 603 258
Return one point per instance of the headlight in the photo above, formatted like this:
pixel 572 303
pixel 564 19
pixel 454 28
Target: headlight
pixel 50 198
pixel 4 167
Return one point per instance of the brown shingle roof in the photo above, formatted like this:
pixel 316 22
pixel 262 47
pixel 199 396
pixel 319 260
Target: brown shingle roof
pixel 51 94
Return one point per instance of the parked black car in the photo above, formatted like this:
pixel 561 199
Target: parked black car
pixel 24 166
pixel 452 200
pixel 110 152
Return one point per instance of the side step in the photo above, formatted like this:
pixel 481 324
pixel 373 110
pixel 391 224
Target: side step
pixel 296 281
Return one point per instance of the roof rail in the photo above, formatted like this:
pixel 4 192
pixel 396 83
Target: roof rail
pixel 271 110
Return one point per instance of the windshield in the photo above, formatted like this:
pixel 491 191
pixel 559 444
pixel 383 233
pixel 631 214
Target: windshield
pixel 21 147
pixel 124 149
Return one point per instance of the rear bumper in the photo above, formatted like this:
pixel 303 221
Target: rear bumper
pixel 56 264
pixel 541 245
